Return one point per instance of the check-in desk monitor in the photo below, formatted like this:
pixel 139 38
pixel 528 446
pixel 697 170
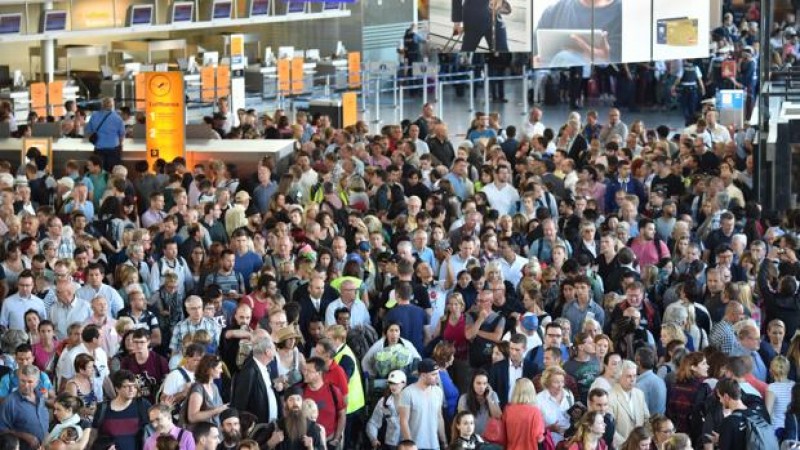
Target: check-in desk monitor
pixel 221 10
pixel 10 23
pixel 182 12
pixel 296 7
pixel 139 15
pixel 258 8
pixel 53 20
pixel 47 129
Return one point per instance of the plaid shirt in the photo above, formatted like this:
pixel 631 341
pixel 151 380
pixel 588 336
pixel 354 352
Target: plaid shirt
pixel 187 327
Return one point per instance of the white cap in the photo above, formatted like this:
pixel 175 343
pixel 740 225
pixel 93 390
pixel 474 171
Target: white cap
pixel 397 377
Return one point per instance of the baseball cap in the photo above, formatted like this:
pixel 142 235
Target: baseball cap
pixel 242 195
pixel 355 257
pixel 68 182
pixel 396 377
pixel 364 246
pixel 530 322
pixel 427 365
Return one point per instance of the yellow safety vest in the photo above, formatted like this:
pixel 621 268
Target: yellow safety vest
pixel 355 388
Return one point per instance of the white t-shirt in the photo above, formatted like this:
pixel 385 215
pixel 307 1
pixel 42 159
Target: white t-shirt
pixel 175 381
pixel 503 200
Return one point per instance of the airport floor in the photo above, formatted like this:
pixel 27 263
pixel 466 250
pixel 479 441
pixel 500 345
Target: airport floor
pixel 456 110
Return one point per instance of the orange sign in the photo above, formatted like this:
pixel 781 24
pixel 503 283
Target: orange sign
pixel 223 81
pixel 297 75
pixel 284 80
pixel 140 89
pixel 39 98
pixel 349 109
pixel 354 69
pixel 165 111
pixel 237 50
pixel 208 84
pixel 55 95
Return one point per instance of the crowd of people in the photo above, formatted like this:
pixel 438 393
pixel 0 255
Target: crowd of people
pixel 579 283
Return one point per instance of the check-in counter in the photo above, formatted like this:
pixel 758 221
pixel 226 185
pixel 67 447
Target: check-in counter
pixel 243 153
pixel 337 70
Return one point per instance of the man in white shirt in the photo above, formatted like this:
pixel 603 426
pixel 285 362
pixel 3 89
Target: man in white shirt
pixel 91 346
pixel 12 314
pixel 348 298
pixel 68 308
pixel 719 133
pixel 511 263
pixel 502 196
pixel 413 136
pixel 177 383
pixel 94 286
pixel 534 126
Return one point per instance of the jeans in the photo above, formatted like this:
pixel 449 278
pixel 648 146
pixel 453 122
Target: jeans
pixel 689 99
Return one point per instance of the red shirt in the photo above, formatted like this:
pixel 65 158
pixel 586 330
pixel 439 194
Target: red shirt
pixel 329 402
pixel 336 376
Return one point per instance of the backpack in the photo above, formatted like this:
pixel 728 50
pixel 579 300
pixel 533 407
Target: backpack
pixel 759 432
pixel 360 339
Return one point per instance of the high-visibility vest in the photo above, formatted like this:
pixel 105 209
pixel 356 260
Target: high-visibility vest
pixel 355 388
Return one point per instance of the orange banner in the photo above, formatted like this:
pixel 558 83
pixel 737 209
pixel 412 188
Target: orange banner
pixel 140 90
pixel 223 81
pixel 297 75
pixel 208 84
pixel 354 69
pixel 349 109
pixel 165 111
pixel 284 79
pixel 237 50
pixel 39 98
pixel 55 96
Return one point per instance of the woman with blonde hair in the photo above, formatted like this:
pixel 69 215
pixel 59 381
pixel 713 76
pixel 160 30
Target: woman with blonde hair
pixel 602 346
pixel 671 332
pixel 678 441
pixel 774 343
pixel 554 401
pixel 589 433
pixel 779 392
pixel 522 419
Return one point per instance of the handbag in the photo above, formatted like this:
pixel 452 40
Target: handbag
pixel 93 136
pixel 502 7
pixel 792 444
pixel 495 431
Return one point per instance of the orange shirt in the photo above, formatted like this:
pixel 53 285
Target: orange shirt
pixel 524 427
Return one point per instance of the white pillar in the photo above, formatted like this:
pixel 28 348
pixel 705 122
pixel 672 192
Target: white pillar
pixel 48 52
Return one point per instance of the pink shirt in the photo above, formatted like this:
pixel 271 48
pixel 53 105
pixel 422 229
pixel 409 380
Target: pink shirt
pixel 646 252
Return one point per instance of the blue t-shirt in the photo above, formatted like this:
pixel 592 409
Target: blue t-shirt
pixel 412 320
pixel 246 264
pixel 474 135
